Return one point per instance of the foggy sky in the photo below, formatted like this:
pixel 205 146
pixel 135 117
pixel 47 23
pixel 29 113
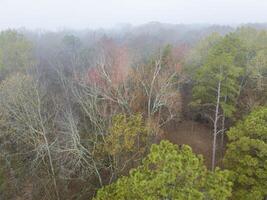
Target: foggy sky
pixel 82 14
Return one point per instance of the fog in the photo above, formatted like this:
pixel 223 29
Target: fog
pixel 83 14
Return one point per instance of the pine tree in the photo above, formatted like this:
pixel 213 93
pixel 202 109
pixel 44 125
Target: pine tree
pixel 246 156
pixel 170 172
pixel 216 85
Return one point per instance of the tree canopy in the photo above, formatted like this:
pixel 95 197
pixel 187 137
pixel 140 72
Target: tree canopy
pixel 170 172
pixel 15 52
pixel 221 65
pixel 246 156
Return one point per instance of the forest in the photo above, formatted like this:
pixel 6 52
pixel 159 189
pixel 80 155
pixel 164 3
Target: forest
pixel 155 112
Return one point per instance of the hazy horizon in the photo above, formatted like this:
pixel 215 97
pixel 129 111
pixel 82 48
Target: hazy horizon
pixel 82 14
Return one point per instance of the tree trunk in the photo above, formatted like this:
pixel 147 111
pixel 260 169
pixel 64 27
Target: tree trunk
pixel 223 125
pixel 215 126
pixel 44 134
pixel 51 167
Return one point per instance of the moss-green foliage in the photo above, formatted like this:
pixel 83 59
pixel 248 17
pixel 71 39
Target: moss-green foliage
pixel 127 134
pixel 169 172
pixel 255 82
pixel 15 52
pixel 199 53
pixel 223 64
pixel 1 180
pixel 126 142
pixel 246 156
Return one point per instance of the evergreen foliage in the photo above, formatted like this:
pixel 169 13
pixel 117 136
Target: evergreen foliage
pixel 170 172
pixel 246 156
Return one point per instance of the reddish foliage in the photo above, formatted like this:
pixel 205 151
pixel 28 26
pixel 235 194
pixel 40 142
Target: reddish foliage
pixel 94 77
pixel 178 54
pixel 116 65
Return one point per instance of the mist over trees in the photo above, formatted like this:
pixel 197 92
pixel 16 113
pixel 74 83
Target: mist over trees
pixel 87 114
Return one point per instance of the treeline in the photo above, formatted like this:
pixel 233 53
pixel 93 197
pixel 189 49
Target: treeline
pixel 84 119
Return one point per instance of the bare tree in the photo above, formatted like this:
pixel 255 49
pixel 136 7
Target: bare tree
pixel 30 119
